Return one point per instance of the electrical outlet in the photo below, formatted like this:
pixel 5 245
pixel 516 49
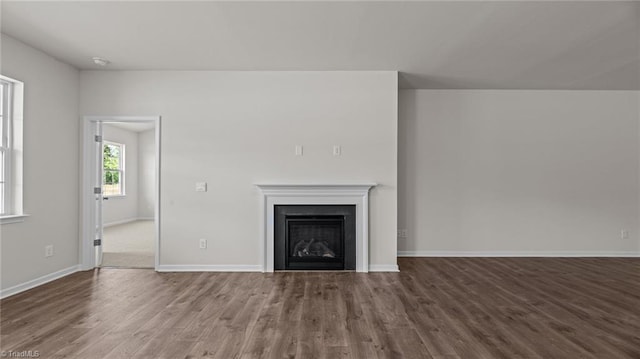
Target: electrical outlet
pixel 402 233
pixel 624 234
pixel 203 243
pixel 48 250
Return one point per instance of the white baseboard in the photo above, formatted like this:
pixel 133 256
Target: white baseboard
pixel 247 268
pixel 125 221
pixel 516 254
pixel 38 281
pixel 209 268
pixel 383 268
pixel 115 223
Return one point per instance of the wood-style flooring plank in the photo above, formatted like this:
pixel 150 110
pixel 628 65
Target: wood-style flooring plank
pixel 434 308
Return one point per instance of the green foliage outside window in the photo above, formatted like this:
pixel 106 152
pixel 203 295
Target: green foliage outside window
pixel 111 161
pixel 112 169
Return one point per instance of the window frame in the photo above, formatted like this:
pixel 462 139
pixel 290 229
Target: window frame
pixel 121 169
pixel 6 148
pixel 12 145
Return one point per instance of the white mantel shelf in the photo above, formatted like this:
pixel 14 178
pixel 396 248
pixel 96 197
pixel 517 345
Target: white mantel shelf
pixel 300 194
pixel 305 189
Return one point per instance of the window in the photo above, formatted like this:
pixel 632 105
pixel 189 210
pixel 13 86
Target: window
pixel 11 161
pixel 113 169
pixel 5 146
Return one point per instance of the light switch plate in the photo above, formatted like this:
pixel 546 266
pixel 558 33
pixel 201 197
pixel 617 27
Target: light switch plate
pixel 201 186
pixel 298 150
pixel 337 150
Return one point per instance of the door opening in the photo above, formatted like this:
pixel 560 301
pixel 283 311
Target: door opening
pixel 121 192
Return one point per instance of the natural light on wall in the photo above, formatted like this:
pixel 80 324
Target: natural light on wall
pixel 11 108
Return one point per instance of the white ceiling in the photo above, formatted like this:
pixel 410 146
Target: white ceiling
pixel 435 44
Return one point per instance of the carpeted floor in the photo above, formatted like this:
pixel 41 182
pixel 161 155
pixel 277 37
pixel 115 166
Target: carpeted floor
pixel 129 245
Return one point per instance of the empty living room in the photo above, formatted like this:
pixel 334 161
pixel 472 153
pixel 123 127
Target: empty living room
pixel 319 179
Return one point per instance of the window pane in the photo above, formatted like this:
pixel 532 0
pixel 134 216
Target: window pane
pixel 1 198
pixel 112 184
pixel 2 166
pixel 2 186
pixel 111 157
pixel 111 190
pixel 111 177
pixel 3 116
pixel 2 91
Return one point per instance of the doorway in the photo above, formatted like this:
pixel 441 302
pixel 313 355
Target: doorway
pixel 121 192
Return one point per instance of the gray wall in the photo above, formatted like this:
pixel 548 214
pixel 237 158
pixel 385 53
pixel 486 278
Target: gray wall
pixel 518 172
pixel 236 129
pixel 146 174
pixel 51 155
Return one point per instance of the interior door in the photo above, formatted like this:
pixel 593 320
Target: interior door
pixel 98 193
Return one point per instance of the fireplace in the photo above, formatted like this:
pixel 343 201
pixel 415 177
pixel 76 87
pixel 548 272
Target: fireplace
pixel 276 195
pixel 315 237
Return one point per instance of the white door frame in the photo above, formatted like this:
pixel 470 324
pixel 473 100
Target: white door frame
pixel 87 216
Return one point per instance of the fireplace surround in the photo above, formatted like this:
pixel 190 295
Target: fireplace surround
pixel 314 194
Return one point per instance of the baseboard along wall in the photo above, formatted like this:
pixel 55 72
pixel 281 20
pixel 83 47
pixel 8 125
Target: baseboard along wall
pixel 128 220
pixel 516 254
pixel 209 268
pixel 38 281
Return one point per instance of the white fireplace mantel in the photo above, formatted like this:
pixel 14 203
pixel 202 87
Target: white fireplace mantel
pixel 300 194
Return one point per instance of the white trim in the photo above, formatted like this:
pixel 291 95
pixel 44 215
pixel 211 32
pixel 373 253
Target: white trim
pixel 128 220
pixel 517 254
pixel 383 268
pixel 123 221
pixel 292 194
pixel 13 218
pixel 209 268
pixel 6 208
pixel 88 210
pixel 38 281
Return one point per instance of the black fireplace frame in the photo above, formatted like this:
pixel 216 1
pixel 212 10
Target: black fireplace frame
pixel 284 213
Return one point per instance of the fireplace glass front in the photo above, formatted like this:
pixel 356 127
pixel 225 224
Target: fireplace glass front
pixel 315 237
pixel 315 240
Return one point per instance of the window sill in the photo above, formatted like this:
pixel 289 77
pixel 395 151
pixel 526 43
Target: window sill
pixel 13 218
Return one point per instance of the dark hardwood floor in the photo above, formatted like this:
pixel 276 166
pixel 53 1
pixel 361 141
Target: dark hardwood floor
pixel 433 308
